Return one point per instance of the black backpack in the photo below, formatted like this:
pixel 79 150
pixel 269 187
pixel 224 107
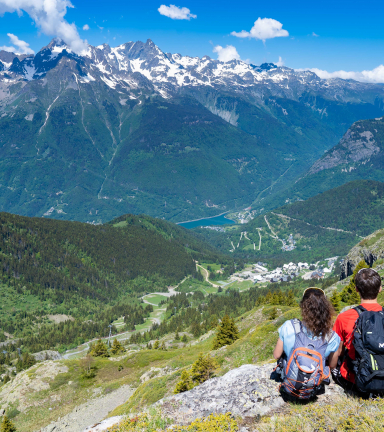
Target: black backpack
pixel 369 346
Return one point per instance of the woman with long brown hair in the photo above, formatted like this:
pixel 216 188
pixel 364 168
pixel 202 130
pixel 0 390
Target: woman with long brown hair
pixel 312 335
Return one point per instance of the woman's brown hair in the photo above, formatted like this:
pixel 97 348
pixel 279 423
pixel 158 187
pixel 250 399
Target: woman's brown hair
pixel 317 312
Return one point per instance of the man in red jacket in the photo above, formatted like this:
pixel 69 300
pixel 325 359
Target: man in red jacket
pixel 368 285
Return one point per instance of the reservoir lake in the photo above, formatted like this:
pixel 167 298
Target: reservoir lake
pixel 215 220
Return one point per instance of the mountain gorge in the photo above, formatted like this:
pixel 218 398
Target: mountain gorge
pixel 132 129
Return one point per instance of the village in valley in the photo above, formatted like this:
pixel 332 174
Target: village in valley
pixel 259 273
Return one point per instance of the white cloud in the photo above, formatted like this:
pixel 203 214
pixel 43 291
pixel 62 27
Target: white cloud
pixel 48 15
pixel 263 29
pixel 175 12
pixel 19 46
pixel 370 76
pixel 226 54
pixel 23 47
pixel 7 48
pixel 85 27
pixel 280 62
pixel 314 34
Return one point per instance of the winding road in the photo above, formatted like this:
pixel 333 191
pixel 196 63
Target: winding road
pixel 273 232
pixel 206 273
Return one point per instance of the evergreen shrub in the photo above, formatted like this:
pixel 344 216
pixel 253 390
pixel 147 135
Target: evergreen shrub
pixel 227 333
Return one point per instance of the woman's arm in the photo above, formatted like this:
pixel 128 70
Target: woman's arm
pixel 333 357
pixel 279 349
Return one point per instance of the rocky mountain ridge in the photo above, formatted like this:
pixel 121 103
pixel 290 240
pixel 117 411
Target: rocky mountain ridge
pixel 129 66
pixel 360 143
pixel 359 155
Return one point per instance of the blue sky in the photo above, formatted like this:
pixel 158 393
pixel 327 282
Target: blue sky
pixel 328 35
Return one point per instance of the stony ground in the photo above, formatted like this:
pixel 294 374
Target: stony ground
pixel 91 412
pixel 246 391
pixel 35 379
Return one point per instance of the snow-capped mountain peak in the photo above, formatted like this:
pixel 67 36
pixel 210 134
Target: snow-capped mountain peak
pixel 135 64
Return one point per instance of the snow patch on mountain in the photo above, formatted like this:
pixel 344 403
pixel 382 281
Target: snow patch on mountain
pixel 134 65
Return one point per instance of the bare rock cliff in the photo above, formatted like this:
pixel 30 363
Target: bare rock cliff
pixel 357 145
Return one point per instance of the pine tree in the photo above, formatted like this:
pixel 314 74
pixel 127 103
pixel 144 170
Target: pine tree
pixel 227 333
pixel 117 347
pixel 177 336
pixel 290 299
pixel 203 368
pixel 185 383
pixel 354 298
pixel 99 349
pixel 163 347
pixel 7 425
pixel 335 300
pixel 273 313
pixel 156 345
pixel 196 329
pixel 184 339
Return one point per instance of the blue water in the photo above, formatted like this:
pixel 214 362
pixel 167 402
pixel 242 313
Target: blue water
pixel 216 220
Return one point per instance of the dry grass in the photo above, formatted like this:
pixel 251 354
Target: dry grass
pixel 57 319
pixel 343 414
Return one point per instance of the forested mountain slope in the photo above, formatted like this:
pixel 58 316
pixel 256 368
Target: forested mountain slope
pixel 132 129
pixel 325 225
pixel 94 274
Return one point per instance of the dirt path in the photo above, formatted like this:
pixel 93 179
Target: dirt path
pixel 206 276
pixel 246 236
pixel 258 230
pixel 269 226
pixel 171 292
pixel 275 236
pixel 91 412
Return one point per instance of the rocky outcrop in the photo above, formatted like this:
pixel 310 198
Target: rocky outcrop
pixel 33 380
pixel 47 355
pixel 370 249
pixel 355 146
pixel 246 392
pixel 104 425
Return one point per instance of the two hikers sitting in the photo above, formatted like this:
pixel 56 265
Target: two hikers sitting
pixel 354 350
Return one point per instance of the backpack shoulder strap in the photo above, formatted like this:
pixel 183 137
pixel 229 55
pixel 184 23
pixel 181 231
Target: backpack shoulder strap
pixel 360 309
pixel 296 325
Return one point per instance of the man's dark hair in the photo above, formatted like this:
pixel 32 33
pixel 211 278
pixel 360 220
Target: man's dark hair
pixel 368 283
